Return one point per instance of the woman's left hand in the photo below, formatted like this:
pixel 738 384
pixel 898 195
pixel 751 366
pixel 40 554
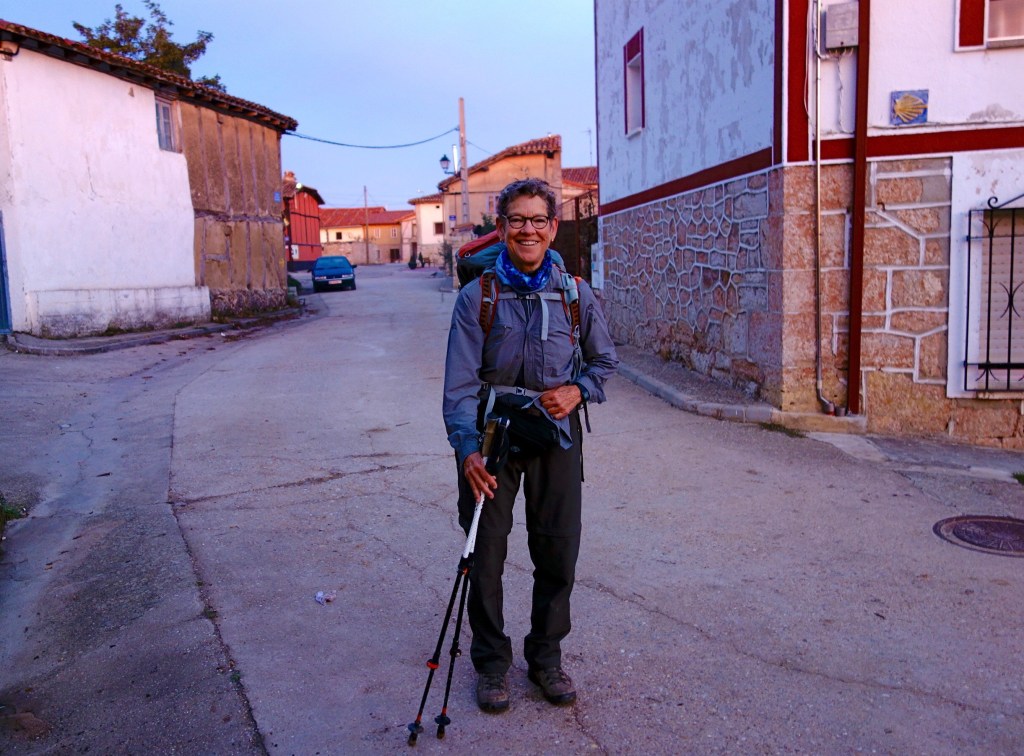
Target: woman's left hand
pixel 559 402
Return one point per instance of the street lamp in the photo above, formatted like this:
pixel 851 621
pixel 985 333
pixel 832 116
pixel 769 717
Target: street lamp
pixel 445 165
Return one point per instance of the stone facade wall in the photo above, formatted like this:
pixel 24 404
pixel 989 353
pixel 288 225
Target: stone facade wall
pixel 687 279
pixel 723 280
pixel 234 168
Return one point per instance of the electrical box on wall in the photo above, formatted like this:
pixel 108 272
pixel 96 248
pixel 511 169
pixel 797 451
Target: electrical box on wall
pixel 841 22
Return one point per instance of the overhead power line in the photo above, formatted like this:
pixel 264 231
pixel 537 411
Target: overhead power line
pixel 370 146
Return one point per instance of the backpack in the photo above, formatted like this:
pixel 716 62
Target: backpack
pixel 476 260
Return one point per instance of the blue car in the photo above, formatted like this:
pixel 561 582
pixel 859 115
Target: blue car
pixel 329 272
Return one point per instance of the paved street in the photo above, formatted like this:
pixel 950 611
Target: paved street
pixel 740 590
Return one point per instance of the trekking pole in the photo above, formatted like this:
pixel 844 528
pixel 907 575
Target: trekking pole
pixel 494 437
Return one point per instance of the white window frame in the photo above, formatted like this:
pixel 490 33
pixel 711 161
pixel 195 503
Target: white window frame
pixel 167 133
pixel 975 175
pixel 972 14
pixel 633 84
pixel 1013 9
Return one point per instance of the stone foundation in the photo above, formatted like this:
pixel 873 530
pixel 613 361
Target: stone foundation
pixel 234 303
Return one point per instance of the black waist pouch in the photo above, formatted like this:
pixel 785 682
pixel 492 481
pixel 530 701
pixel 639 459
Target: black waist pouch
pixel 530 432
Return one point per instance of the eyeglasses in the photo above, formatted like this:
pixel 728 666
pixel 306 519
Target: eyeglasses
pixel 518 221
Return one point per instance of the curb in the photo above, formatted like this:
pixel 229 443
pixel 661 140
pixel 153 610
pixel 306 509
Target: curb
pixel 26 344
pixel 759 413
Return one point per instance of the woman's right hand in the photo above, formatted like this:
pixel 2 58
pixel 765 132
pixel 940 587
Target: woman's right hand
pixel 481 481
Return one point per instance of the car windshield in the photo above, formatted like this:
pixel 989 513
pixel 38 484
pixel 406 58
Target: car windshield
pixel 332 262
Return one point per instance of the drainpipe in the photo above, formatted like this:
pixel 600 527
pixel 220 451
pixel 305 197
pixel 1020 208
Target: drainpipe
pixel 826 406
pixel 860 183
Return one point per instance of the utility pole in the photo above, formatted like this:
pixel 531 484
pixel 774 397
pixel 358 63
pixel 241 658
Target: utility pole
pixel 366 227
pixel 463 163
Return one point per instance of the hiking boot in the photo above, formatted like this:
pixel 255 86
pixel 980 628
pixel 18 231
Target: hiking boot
pixel 492 691
pixel 555 684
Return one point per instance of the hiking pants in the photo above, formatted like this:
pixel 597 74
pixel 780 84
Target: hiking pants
pixel 552 488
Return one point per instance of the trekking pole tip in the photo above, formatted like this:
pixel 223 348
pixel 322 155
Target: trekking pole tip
pixel 415 728
pixel 442 722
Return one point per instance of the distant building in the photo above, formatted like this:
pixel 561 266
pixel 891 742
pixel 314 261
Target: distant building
pixel 579 185
pixel 367 236
pixel 428 227
pixel 538 158
pixel 833 233
pixel 167 193
pixel 301 223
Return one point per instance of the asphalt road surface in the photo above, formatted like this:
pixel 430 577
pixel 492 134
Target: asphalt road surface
pixel 739 590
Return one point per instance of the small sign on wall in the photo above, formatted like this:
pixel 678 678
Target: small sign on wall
pixel 597 266
pixel 908 107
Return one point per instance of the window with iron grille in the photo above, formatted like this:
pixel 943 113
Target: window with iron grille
pixel 994 349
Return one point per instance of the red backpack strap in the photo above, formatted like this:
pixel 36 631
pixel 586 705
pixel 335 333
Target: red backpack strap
pixel 574 312
pixel 572 309
pixel 489 292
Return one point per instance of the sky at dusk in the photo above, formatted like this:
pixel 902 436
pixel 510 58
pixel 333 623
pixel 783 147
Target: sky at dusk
pixel 384 72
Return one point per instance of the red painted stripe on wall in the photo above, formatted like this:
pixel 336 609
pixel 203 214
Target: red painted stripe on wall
pixel 935 142
pixel 777 117
pixel 741 166
pixel 797 136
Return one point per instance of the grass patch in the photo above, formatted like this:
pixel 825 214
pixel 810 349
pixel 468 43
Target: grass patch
pixel 9 512
pixel 1019 477
pixel 776 428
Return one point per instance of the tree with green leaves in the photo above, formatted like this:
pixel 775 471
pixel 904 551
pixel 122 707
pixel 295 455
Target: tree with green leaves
pixel 132 37
pixel 486 226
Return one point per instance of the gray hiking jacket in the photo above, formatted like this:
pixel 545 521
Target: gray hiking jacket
pixel 514 354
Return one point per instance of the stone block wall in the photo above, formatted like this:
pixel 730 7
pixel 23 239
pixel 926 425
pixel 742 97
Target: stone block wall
pixel 906 312
pixel 234 167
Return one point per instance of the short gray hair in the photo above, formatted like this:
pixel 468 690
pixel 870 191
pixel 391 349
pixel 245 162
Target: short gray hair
pixel 530 187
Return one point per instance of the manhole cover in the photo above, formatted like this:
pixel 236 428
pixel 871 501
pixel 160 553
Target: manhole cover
pixel 993 535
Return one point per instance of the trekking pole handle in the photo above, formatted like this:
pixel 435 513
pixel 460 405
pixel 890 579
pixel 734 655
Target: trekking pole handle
pixel 492 433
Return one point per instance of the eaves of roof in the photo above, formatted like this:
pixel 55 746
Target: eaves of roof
pixel 428 199
pixel 585 176
pixel 545 145
pixel 164 82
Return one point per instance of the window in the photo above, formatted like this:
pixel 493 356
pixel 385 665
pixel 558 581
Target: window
pixel 995 347
pixel 990 23
pixel 492 204
pixel 1005 21
pixel 394 233
pixel 165 125
pixel 439 229
pixel 376 233
pixel 338 236
pixel 633 74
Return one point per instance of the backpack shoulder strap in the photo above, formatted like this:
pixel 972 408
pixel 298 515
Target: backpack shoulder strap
pixel 489 293
pixel 570 290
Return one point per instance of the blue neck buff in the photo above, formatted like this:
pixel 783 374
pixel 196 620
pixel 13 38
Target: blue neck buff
pixel 522 283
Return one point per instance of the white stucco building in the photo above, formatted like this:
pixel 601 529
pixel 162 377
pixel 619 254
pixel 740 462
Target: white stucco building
pixel 788 189
pixel 101 196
